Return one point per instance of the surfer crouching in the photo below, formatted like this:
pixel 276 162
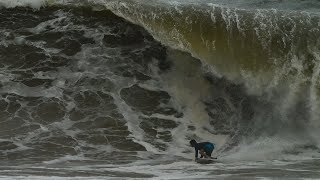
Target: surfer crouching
pixel 204 148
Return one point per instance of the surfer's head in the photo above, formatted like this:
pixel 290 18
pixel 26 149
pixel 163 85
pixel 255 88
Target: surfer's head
pixel 193 143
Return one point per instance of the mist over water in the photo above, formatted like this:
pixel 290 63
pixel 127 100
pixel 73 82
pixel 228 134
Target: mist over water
pixel 118 88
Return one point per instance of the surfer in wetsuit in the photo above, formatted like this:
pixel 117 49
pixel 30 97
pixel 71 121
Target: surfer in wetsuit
pixel 204 148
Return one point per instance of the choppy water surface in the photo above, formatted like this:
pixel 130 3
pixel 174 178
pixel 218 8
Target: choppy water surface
pixel 116 89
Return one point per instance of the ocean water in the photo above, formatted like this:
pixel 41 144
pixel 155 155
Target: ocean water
pixel 115 89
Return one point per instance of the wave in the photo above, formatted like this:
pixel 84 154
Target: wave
pixel 232 40
pixel 265 63
pixel 274 53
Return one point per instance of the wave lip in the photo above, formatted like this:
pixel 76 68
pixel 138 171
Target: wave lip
pixel 231 39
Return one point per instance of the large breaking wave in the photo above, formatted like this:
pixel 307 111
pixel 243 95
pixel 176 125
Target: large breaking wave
pixel 273 53
pixel 76 79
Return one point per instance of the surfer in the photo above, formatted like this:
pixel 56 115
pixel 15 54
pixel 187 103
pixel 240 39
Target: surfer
pixel 204 148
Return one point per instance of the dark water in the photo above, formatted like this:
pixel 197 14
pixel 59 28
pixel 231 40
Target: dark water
pixel 61 88
pixel 85 93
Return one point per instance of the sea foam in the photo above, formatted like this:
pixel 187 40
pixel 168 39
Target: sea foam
pixel 35 4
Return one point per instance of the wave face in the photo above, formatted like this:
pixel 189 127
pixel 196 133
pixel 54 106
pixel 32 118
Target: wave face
pixel 108 80
pixel 274 52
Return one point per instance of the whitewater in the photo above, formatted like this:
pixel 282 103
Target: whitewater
pixel 116 89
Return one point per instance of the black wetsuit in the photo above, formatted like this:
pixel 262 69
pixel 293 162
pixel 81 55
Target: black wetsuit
pixel 206 146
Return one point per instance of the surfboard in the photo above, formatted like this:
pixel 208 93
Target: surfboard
pixel 206 160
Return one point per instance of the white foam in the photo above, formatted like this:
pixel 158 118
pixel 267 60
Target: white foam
pixel 36 4
pixel 273 148
pixel 177 170
pixel 26 91
pixel 31 177
pixel 20 146
pixel 50 23
pixel 188 89
pixel 65 158
pixel 20 40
